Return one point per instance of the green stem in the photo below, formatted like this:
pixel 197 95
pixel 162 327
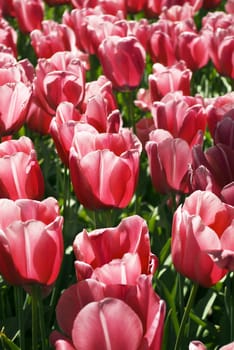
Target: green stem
pixel 34 301
pixel 66 201
pixel 130 104
pixel 42 322
pixel 186 316
pixel 18 291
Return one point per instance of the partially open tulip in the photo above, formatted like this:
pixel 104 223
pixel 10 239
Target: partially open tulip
pixel 202 225
pixel 31 243
pixel 123 61
pixel 93 315
pixel 118 154
pixel 130 236
pixel 20 172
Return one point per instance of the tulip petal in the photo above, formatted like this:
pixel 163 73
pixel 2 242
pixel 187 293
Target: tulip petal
pixel 109 324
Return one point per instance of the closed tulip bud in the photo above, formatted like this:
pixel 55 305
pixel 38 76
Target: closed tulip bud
pixel 20 173
pixel 29 14
pixel 118 154
pixel 29 230
pixel 203 224
pixel 123 61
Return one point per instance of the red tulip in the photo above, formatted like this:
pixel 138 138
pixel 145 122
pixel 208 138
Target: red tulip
pixel 29 14
pixel 91 315
pixel 123 61
pixel 20 173
pixel 169 161
pixel 130 236
pixel 118 154
pixel 29 230
pixel 143 128
pixel 219 170
pixel 203 224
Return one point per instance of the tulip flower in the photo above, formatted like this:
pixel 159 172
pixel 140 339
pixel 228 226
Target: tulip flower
pixel 30 230
pixel 118 154
pixel 169 161
pixel 123 61
pixel 8 36
pixel 103 316
pixel 29 14
pixel 201 226
pixel 213 170
pixel 130 236
pixel 59 78
pixel 53 37
pixel 20 172
pixel 169 79
pixel 91 26
pixel 229 6
pixel 183 116
pixel 197 345
pixel 15 98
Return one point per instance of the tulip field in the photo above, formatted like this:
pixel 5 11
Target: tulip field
pixel 116 175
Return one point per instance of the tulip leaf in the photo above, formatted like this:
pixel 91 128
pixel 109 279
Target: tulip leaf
pixel 7 343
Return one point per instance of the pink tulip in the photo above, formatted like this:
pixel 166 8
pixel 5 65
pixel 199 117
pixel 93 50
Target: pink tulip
pixel 201 226
pixel 229 6
pixel 183 116
pixel 130 236
pixel 111 7
pixel 197 345
pixel 8 36
pixel 143 128
pixel 59 78
pixel 29 14
pixel 91 26
pixel 169 79
pixel 161 47
pixel 118 154
pixel 15 98
pixel 169 161
pixel 54 37
pixel 217 109
pixel 218 30
pixel 20 173
pixel 192 48
pixel 103 316
pixel 123 61
pixel 30 229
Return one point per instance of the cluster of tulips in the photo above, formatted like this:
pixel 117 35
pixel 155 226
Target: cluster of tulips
pixel 116 174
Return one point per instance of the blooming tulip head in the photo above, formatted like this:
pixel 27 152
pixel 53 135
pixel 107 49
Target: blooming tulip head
pixel 131 236
pixel 114 159
pixel 203 225
pixel 123 61
pixel 94 315
pixel 31 243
